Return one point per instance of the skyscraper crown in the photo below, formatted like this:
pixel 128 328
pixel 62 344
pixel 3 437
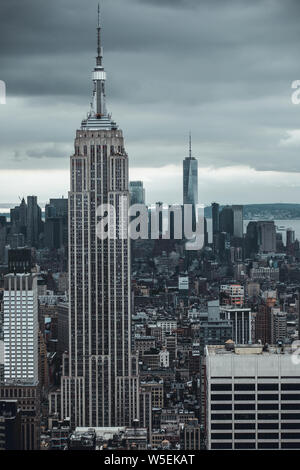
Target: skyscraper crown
pixel 98 117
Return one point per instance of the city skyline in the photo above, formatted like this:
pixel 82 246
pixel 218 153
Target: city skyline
pixel 237 103
pixel 136 314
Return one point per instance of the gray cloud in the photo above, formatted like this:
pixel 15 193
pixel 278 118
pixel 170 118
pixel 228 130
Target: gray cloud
pixel 222 69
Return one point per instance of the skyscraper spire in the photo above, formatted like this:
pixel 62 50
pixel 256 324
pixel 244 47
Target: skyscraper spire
pixel 99 48
pixel 98 117
pixel 190 149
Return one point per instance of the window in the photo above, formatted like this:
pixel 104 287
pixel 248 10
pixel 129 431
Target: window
pixel 244 435
pixel 245 396
pixel 221 406
pixel 290 396
pixel 216 426
pixel 268 435
pixel 267 406
pixel 244 445
pixel 267 416
pixel 244 406
pixel 244 416
pixel 267 445
pixel 220 387
pixel 267 396
pixel 221 397
pixel 267 387
pixel 268 425
pixel 221 436
pixel 244 387
pixel 290 386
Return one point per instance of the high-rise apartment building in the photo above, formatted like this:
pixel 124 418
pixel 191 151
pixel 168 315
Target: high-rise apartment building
pixel 100 382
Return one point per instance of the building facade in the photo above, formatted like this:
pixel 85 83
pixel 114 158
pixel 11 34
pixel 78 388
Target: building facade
pixel 20 328
pixel 100 382
pixel 252 398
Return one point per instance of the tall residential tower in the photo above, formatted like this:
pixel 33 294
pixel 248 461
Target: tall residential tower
pixel 100 382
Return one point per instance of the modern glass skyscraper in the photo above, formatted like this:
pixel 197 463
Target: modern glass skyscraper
pixel 100 382
pixel 34 220
pixel 215 209
pixel 238 221
pixel 137 192
pixel 190 178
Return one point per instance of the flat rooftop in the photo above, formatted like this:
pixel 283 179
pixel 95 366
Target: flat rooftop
pixel 249 349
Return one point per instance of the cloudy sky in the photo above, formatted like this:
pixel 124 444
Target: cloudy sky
pixel 220 68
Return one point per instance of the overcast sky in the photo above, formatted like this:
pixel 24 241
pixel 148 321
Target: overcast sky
pixel 220 68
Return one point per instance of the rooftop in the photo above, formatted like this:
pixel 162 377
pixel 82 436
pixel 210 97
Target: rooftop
pixel 249 349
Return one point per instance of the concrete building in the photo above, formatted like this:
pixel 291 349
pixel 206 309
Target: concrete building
pixel 252 398
pixel 238 227
pixel 34 221
pixel 191 436
pixel 215 208
pixel 278 325
pixel 214 329
pixel 241 319
pixel 62 328
pixel 145 417
pixel 226 220
pixel 232 294
pixel 264 273
pixel 144 343
pixel 19 260
pixel 28 398
pixel 20 328
pixel 157 392
pixel 10 425
pixel 266 233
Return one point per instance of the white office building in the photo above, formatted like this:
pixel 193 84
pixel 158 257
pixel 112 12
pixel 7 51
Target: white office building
pixel 252 398
pixel 20 327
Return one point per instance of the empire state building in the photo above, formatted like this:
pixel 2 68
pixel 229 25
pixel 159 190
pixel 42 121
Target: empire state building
pixel 100 378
